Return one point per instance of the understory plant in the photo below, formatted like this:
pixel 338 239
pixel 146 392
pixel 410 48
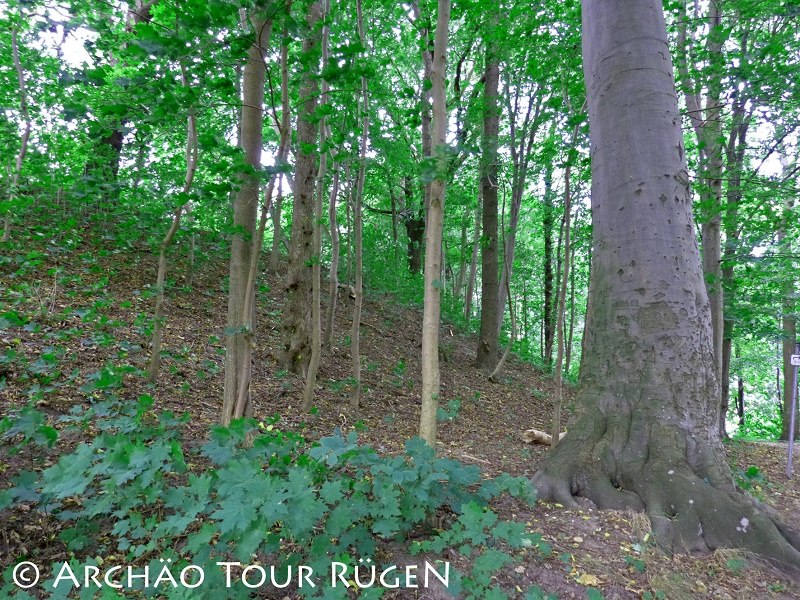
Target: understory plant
pixel 136 493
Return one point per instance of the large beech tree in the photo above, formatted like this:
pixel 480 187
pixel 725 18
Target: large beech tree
pixel 647 434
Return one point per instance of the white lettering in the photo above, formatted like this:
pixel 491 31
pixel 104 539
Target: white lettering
pixel 70 575
pixel 340 575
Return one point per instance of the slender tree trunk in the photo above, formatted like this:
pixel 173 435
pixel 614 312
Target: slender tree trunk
pixel 26 133
pixel 458 286
pixel 333 289
pixel 433 245
pixel 548 313
pixel 316 283
pixel 486 358
pixel 277 208
pixel 789 331
pixel 355 337
pixel 521 146
pixel 296 322
pixel 561 307
pixel 647 434
pixel 568 351
pixel 707 123
pixel 191 168
pixel 473 263
pixel 425 92
pixel 735 154
pixel 740 402
pixel 395 220
pixel 349 222
pixel 238 337
pixel 190 255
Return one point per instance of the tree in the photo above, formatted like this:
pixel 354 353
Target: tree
pixel 239 330
pixel 647 434
pixel 491 311
pixel 433 242
pixel 26 133
pixel 296 323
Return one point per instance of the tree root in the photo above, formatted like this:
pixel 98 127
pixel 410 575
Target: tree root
pixel 689 511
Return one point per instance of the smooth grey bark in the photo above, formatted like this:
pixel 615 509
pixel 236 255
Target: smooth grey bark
pixel 238 335
pixel 646 436
pixel 433 242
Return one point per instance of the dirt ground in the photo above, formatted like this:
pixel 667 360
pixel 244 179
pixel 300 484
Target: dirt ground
pixel 609 551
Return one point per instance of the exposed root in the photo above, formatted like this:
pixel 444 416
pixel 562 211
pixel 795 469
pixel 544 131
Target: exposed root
pixel 688 513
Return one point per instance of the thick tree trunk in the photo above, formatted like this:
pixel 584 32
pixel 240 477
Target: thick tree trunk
pixel 647 435
pixel 296 322
pixel 238 336
pixel 433 250
pixel 486 358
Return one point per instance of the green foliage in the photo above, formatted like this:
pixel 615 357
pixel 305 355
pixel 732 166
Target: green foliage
pixel 763 424
pixel 252 490
pixel 451 412
pixel 478 534
pixel 751 479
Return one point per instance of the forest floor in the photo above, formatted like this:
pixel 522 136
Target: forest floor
pixel 606 550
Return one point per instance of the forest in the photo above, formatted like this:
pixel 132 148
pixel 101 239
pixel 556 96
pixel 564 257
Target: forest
pixel 437 299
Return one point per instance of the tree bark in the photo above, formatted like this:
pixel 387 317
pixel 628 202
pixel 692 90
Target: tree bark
pixel 26 133
pixel 333 273
pixel 355 336
pixel 487 353
pixel 296 322
pixel 191 167
pixel 647 437
pixel 548 314
pixel 562 299
pixel 277 207
pixel 789 334
pixel 433 243
pixel 238 336
pixel 473 264
pixel 707 123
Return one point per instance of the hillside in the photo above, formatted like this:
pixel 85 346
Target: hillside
pixel 74 324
